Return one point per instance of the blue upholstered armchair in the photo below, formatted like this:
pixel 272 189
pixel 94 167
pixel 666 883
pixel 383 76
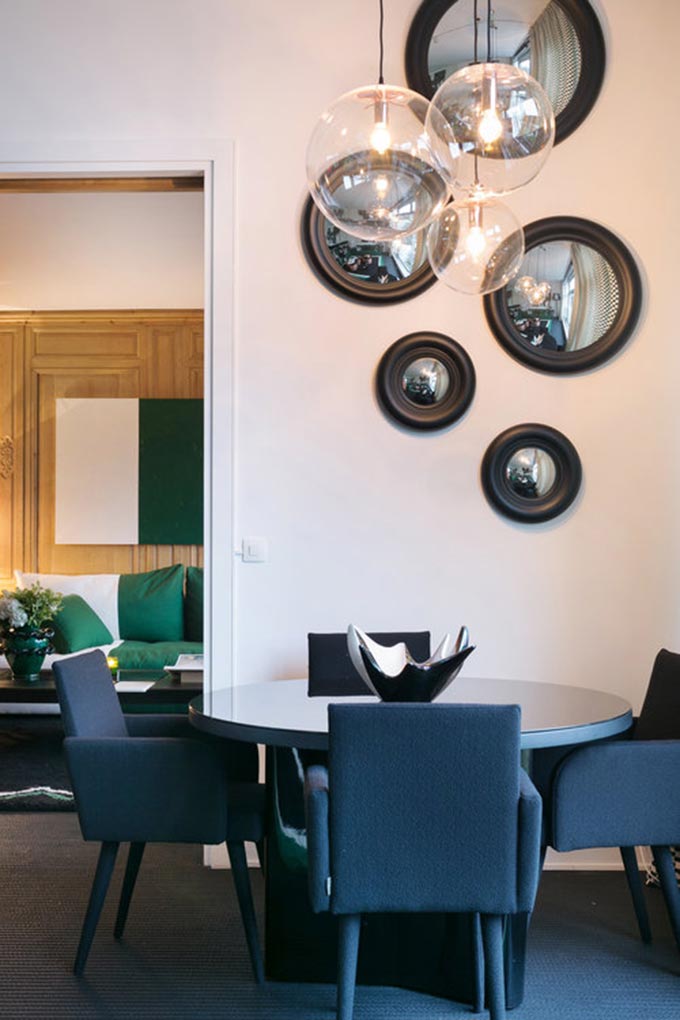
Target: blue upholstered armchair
pixel 423 808
pixel 625 793
pixel 142 779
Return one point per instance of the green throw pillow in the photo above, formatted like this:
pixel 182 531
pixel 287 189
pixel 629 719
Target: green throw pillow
pixel 77 626
pixel 157 655
pixel 193 605
pixel 150 606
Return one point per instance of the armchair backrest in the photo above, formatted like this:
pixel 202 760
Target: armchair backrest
pixel 88 700
pixel 424 803
pixel 660 713
pixel 331 672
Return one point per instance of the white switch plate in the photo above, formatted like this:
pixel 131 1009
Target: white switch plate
pixel 255 550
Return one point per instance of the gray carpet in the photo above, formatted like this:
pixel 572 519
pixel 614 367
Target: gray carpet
pixel 183 957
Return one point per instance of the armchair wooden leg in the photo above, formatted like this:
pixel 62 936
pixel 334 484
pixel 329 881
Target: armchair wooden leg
pixel 239 870
pixel 669 886
pixel 478 957
pixel 636 891
pixel 135 855
pixel 492 935
pixel 348 952
pixel 100 885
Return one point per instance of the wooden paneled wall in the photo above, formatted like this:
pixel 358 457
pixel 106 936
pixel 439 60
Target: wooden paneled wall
pixel 47 355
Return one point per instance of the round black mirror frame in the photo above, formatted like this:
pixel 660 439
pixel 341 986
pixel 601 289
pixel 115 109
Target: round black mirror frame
pixel 400 355
pixel 593 52
pixel 611 248
pixel 327 269
pixel 568 473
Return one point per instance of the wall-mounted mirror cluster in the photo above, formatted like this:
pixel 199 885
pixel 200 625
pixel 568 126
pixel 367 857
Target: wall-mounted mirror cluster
pixel 577 297
pixel 557 42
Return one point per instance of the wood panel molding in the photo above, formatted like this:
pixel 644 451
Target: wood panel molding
pixel 46 185
pixel 46 355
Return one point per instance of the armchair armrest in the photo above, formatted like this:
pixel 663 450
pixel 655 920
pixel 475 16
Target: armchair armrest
pixel 146 789
pixel 623 793
pixel 316 811
pixel 528 842
pixel 240 759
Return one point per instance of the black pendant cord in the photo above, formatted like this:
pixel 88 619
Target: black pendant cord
pixel 475 19
pixel 488 31
pixel 381 78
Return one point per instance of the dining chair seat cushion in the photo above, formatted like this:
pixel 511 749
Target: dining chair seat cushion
pixel 623 793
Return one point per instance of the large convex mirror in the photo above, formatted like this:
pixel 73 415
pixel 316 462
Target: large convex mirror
pixel 575 300
pixel 557 42
pixel 565 297
pixel 375 271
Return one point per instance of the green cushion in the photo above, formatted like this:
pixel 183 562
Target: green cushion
pixel 150 606
pixel 140 655
pixel 193 605
pixel 77 626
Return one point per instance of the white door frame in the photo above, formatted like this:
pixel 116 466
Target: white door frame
pixel 214 158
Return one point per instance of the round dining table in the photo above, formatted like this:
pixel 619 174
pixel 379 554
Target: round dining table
pixel 279 713
pixel 431 953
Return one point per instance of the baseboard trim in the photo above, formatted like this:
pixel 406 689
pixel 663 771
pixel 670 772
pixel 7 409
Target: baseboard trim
pixel 217 857
pixel 576 860
pixel 608 859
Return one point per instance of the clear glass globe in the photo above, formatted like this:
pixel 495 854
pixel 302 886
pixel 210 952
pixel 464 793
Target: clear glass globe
pixel 476 247
pixel 372 169
pixel 525 284
pixel 497 125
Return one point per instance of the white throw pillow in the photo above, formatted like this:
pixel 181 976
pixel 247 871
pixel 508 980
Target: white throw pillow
pixel 100 591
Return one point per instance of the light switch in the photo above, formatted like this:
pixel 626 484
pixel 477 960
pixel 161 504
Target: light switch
pixel 255 550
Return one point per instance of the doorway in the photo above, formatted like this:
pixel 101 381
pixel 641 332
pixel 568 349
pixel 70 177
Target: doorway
pixel 213 162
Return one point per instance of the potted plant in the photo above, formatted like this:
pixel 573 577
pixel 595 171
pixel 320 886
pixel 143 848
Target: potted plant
pixel 25 634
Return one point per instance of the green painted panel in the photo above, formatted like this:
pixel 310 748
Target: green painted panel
pixel 171 472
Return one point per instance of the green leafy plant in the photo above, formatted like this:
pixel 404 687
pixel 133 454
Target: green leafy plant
pixel 28 607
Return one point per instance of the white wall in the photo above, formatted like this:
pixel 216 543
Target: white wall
pixel 367 522
pixel 103 250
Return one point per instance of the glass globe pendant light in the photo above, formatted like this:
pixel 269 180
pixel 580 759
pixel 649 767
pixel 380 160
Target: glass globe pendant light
pixel 526 284
pixel 476 247
pixel 371 168
pixel 496 123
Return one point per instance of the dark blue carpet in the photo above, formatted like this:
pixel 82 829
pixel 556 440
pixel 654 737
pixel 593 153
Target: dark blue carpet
pixel 183 956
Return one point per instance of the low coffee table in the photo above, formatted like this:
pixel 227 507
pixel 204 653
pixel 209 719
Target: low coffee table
pixel 165 689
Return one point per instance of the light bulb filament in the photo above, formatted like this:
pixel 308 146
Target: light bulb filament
pixel 475 242
pixel 490 127
pixel 381 138
pixel 381 185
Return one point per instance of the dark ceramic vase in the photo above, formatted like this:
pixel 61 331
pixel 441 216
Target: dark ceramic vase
pixel 25 649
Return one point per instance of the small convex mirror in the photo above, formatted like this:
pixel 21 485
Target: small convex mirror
pixel 425 381
pixel 530 472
